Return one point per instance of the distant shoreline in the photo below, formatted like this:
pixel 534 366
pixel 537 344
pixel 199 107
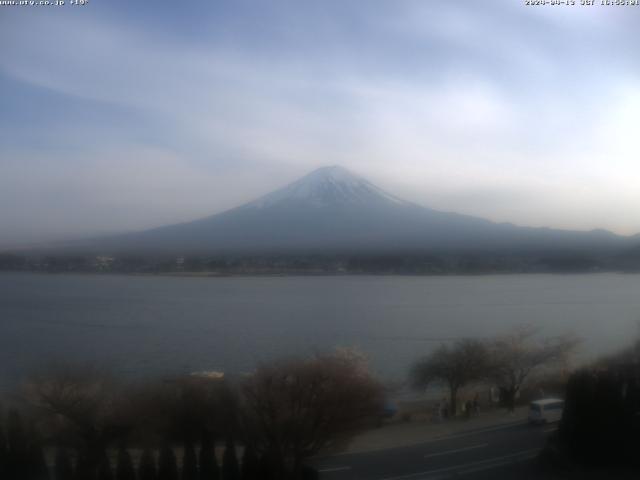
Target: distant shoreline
pixel 170 274
pixel 326 264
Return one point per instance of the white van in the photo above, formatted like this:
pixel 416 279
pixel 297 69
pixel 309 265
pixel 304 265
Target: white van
pixel 546 411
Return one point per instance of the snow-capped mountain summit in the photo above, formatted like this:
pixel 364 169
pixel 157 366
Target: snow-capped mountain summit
pixel 334 210
pixel 327 186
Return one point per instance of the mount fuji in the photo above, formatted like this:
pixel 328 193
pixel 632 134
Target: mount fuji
pixel 332 210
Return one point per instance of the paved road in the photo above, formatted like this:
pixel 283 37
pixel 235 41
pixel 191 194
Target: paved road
pixel 494 452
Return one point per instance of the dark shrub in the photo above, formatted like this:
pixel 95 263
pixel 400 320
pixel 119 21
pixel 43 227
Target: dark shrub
pixel 189 463
pixel 17 463
pixel 104 469
pixel 37 465
pixel 63 469
pixel 209 469
pixel 230 468
pixel 250 464
pixel 167 464
pixel 4 453
pixel 85 466
pixel 599 424
pixel 124 467
pixel 147 468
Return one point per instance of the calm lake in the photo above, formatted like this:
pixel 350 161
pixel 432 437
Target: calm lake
pixel 165 325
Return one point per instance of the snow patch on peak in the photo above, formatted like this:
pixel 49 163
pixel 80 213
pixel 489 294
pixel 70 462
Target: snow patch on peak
pixel 334 172
pixel 333 185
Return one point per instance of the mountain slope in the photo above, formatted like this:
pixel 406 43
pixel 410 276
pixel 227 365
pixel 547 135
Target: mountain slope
pixel 334 210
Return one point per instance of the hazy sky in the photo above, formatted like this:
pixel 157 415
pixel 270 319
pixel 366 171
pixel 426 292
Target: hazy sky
pixel 122 115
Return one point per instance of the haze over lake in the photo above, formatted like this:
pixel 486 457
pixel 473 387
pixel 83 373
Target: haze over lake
pixel 164 325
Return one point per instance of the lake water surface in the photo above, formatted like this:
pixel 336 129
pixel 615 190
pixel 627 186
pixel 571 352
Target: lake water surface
pixel 165 325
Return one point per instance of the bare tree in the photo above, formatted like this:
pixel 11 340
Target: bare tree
pixel 182 407
pixel 454 365
pixel 297 408
pixel 81 405
pixel 516 355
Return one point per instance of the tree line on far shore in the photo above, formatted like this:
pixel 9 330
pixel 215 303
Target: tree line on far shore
pixel 416 263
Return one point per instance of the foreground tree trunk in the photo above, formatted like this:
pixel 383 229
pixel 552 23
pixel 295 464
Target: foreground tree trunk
pixel 511 399
pixel 453 401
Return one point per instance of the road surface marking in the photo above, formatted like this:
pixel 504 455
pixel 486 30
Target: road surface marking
pixel 473 466
pixel 509 459
pixel 333 469
pixel 440 438
pixel 464 449
pixel 470 433
pixel 467 433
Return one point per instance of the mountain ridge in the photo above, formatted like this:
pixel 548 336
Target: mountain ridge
pixel 334 210
pixel 327 185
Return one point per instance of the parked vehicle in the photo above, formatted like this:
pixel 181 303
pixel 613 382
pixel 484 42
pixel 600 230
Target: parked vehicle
pixel 546 411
